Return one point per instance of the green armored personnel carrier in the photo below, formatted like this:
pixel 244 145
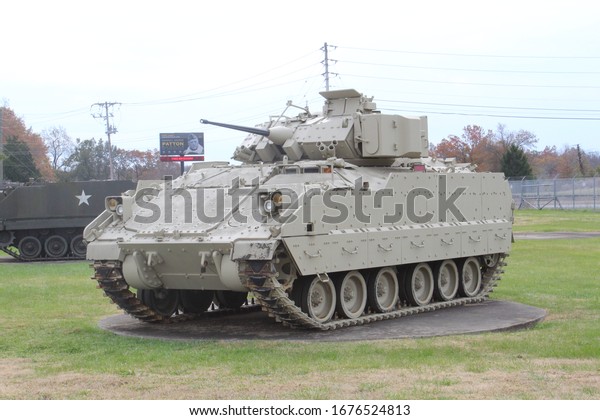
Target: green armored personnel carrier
pixel 331 220
pixel 46 220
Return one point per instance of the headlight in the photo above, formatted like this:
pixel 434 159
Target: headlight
pixel 268 206
pixel 277 198
pixel 112 203
pixel 271 202
pixel 119 210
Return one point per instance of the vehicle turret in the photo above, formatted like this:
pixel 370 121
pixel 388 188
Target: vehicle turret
pixel 350 127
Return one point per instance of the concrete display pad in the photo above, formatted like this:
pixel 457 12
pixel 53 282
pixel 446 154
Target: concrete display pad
pixel 489 316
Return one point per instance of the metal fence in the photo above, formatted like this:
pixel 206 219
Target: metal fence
pixel 559 193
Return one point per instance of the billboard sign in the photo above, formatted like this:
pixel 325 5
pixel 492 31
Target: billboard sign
pixel 181 147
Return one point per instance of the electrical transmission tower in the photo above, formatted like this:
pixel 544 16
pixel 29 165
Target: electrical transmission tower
pixel 325 62
pixel 110 129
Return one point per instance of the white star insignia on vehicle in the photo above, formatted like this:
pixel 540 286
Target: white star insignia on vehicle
pixel 83 198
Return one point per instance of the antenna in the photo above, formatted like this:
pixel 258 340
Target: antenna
pixel 110 129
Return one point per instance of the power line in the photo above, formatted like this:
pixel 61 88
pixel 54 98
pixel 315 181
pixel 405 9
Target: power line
pixel 491 106
pixel 477 84
pixel 206 94
pixel 534 57
pixel 260 83
pixel 527 117
pixel 467 69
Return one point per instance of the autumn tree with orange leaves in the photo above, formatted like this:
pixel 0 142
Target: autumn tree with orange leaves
pixel 475 145
pixel 487 149
pixel 15 132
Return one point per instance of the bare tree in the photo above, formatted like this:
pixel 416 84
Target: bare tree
pixel 60 146
pixel 523 139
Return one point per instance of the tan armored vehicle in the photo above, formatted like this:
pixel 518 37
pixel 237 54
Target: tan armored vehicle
pixel 333 219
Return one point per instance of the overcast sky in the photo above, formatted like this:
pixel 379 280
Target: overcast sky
pixel 532 65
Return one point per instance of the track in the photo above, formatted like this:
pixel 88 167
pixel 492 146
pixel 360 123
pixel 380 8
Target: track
pixel 20 258
pixel 273 299
pixel 110 279
pixel 276 302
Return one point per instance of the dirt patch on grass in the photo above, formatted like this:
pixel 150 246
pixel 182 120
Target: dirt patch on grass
pixel 11 368
pixel 536 379
pixel 532 383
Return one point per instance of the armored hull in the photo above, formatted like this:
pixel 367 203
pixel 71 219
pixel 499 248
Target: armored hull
pixel 46 221
pixel 332 220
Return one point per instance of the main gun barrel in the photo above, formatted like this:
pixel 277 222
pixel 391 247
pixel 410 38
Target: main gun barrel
pixel 253 130
pixel 278 134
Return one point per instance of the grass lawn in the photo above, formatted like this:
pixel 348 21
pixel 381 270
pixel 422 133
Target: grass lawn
pixel 557 221
pixel 51 346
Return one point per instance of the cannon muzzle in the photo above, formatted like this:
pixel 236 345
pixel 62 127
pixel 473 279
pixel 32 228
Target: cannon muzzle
pixel 278 134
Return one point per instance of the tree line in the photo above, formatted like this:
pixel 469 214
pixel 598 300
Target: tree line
pixel 514 153
pixel 53 156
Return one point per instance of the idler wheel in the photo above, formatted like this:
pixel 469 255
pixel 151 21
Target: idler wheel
pixel 491 260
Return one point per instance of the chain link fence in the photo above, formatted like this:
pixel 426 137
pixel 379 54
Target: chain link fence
pixel 558 193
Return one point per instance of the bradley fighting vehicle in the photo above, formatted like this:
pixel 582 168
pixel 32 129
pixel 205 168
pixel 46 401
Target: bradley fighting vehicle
pixel 46 221
pixel 332 220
